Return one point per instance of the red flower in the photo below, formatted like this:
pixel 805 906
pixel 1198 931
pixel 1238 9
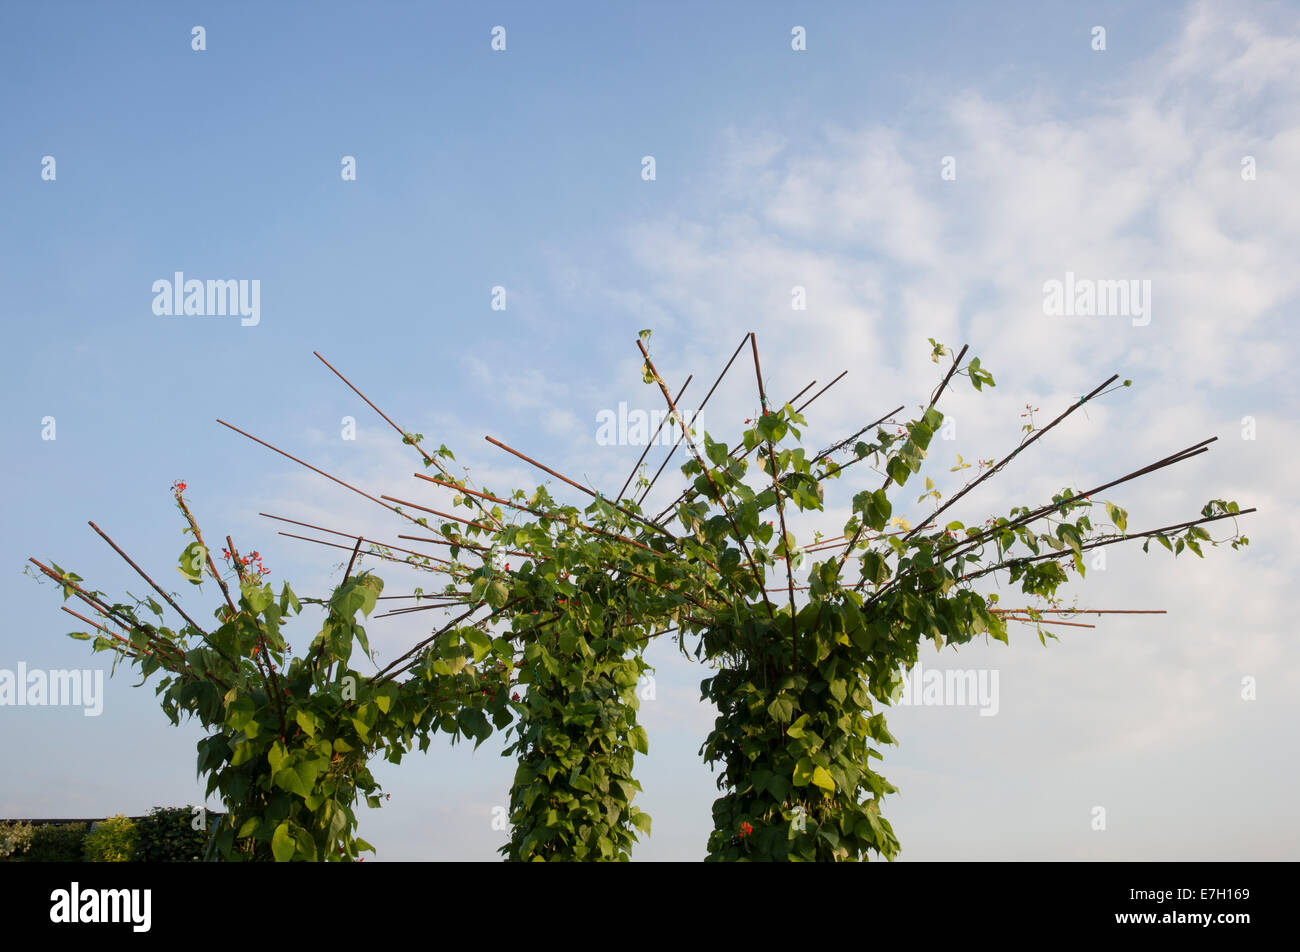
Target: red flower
pixel 746 829
pixel 514 696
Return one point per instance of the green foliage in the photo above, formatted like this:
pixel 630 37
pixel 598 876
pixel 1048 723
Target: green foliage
pixel 54 843
pixel 15 838
pixel 799 683
pixel 289 738
pixel 170 835
pixel 576 741
pixel 581 633
pixel 111 841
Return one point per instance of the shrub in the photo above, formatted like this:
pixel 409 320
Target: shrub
pixel 112 841
pixel 167 835
pixel 15 837
pixel 54 843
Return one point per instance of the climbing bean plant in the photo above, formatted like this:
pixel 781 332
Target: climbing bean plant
pixel 288 737
pixel 807 641
pixel 801 681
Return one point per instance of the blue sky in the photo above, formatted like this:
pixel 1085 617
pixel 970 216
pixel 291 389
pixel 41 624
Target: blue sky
pixel 774 168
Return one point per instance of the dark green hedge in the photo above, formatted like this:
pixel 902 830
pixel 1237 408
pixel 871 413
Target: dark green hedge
pixel 55 843
pixel 167 835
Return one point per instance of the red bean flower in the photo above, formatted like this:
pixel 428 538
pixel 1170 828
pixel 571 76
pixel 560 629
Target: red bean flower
pixel 746 829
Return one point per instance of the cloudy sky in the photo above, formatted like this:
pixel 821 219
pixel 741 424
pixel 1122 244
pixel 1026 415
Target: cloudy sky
pixel 919 171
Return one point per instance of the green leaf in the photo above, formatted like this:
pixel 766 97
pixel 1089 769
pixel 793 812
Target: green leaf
pixel 479 642
pixel 875 508
pixel 371 586
pixel 257 596
pixel 639 740
pixel 803 772
pixel 823 779
pixel 781 708
pixel 289 600
pixel 716 452
pixel 497 594
pixel 478 589
pixel 1070 536
pixel 191 562
pixel 874 568
pixel 276 756
pixel 898 470
pixel 282 843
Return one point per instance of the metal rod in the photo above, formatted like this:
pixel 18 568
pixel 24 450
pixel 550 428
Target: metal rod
pixel 141 572
pixel 651 441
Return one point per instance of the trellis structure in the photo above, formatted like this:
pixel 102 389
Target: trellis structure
pixel 798 679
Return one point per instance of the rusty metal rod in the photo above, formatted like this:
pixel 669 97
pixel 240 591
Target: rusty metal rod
pixel 694 416
pixel 594 495
pixel 421 449
pixel 141 572
pixel 652 439
pixel 758 578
